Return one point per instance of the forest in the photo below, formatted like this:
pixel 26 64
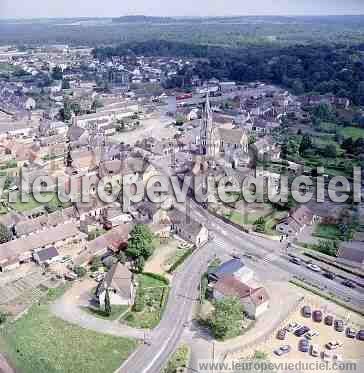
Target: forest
pixel 336 69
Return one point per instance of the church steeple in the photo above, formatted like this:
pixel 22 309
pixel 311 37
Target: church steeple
pixel 209 141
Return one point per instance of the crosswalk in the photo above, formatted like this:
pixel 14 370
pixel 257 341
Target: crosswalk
pixel 221 247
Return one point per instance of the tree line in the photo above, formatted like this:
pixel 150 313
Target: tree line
pixel 336 69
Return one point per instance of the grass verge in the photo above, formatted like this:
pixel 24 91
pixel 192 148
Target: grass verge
pixel 328 297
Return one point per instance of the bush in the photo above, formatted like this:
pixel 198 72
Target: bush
pixel 157 277
pixel 177 263
pixel 3 317
pixel 80 271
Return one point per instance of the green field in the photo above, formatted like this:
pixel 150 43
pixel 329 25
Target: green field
pixel 329 231
pixel 154 294
pixel 39 342
pixel 353 132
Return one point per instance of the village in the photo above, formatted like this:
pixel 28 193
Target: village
pixel 65 114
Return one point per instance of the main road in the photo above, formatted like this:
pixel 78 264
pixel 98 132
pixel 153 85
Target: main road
pixel 164 339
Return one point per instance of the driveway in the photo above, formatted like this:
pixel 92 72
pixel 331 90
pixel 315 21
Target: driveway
pixel 69 308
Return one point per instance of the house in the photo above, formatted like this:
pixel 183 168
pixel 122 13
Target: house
pixel 109 243
pixel 46 256
pixel 119 283
pixel 188 229
pixel 254 300
pixel 233 267
pixel 351 254
pixel 296 221
pixel 22 248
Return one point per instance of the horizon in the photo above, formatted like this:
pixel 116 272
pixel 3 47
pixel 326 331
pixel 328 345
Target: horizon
pixel 39 9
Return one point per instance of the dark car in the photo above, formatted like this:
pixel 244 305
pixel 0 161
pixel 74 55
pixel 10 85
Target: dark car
pixel 295 260
pixel 281 334
pixel 339 325
pixel 329 320
pixel 301 331
pixel 304 345
pixel 350 333
pixel 349 284
pixel 306 311
pixel 317 315
pixel 330 275
pixel 360 335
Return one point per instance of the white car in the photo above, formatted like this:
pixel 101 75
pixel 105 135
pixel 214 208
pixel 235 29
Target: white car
pixel 315 351
pixel 327 356
pixel 292 326
pixel 311 334
pixel 313 267
pixel 333 345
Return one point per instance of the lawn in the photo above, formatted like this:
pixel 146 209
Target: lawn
pixel 40 342
pixel 328 231
pixel 116 312
pixel 152 295
pixel 31 204
pixel 353 132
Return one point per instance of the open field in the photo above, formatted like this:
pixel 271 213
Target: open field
pixel 40 342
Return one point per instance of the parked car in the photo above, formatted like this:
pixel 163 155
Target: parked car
pixel 281 334
pixel 360 335
pixel 301 331
pixel 66 259
pixel 313 267
pixel 282 350
pixel 317 315
pixel 329 275
pixel 329 320
pixel 291 327
pixel 349 284
pixel 303 345
pixel 339 325
pixel 333 345
pixel 314 351
pixel 350 333
pixel 311 334
pixel 295 260
pixel 306 311
pixel 327 355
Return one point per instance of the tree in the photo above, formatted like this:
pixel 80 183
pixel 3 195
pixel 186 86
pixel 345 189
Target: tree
pixel 96 264
pixel 80 271
pixel 305 145
pixel 227 318
pixel 5 234
pixel 65 84
pixel 139 264
pixel 3 317
pixel 57 73
pixel 330 151
pixel 348 145
pixel 140 243
pixel 107 303
pixel 122 257
pixel 259 225
pixel 139 302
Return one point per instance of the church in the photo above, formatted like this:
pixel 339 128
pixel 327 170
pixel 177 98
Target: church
pixel 228 147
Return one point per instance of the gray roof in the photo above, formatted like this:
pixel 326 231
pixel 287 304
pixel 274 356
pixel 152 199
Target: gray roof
pixel 228 268
pixel 352 251
pixel 47 254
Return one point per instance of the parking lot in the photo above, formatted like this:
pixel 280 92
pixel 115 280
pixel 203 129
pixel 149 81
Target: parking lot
pixel 351 348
